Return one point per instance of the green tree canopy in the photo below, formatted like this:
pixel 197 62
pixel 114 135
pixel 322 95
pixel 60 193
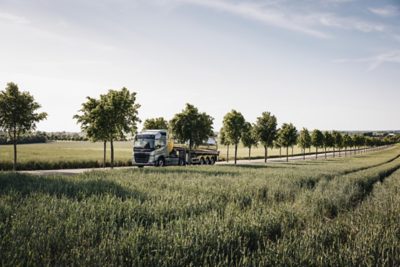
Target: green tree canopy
pixel 18 114
pixel 113 116
pixel 155 123
pixel 234 123
pixel 249 138
pixel 338 139
pixel 317 140
pixel 192 126
pixel 265 131
pixel 287 137
pixel 304 140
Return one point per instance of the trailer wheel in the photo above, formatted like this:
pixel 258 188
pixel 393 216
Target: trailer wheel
pixel 202 161
pixel 161 162
pixel 181 162
pixel 212 161
pixel 208 161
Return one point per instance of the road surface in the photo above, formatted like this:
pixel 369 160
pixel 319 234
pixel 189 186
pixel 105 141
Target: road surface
pixel 231 162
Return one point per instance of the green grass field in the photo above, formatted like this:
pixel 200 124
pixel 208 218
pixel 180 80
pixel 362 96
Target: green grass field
pixel 336 212
pixel 55 155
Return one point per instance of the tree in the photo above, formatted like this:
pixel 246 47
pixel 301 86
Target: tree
pixel 111 117
pixel 304 141
pixel 338 140
pixel 329 141
pixel 265 131
pixel 122 112
pixel 248 137
pixel 234 123
pixel 192 126
pixel 347 142
pixel 317 140
pixel 224 141
pixel 287 137
pixel 155 123
pixel 94 122
pixel 18 114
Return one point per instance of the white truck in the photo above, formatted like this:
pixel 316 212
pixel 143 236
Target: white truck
pixel 156 148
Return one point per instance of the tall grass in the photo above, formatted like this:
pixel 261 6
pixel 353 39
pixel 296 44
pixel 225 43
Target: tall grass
pixel 309 213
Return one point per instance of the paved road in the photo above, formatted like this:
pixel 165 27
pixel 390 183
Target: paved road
pixel 242 162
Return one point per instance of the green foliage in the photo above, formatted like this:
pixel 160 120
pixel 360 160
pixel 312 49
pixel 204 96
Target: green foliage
pixel 234 123
pixel 317 138
pixel 265 129
pixel 342 212
pixel 304 139
pixel 338 139
pixel 155 124
pixel 287 137
pixel 109 118
pixel 329 140
pixel 347 141
pixel 249 138
pixel 18 114
pixel 191 125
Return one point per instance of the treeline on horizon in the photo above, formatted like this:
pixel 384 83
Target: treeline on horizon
pixel 114 116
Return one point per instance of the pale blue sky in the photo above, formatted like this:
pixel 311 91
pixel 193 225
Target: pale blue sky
pixel 327 64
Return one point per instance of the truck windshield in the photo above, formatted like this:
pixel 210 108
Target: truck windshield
pixel 145 141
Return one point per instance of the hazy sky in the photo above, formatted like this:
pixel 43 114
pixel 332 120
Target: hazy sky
pixel 328 64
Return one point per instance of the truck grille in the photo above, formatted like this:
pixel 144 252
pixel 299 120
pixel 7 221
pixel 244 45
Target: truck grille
pixel 142 158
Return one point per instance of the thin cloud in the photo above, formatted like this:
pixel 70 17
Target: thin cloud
pixel 13 18
pixel 375 61
pixel 255 12
pixel 387 11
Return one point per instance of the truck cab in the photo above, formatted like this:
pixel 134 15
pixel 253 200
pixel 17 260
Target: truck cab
pixel 156 148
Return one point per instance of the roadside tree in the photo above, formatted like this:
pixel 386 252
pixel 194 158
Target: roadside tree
pixel 287 137
pixel 317 140
pixel 234 123
pixel 18 114
pixel 265 131
pixel 304 141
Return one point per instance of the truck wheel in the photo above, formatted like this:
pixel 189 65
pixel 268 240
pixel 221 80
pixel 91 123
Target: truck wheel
pixel 208 161
pixel 212 161
pixel 202 161
pixel 161 162
pixel 181 162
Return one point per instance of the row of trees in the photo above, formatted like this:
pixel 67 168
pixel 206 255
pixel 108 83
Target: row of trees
pixel 265 132
pixel 114 116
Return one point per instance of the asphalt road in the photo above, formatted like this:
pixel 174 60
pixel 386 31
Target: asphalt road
pixel 231 162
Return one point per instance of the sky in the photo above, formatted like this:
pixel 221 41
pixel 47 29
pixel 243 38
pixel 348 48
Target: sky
pixel 326 64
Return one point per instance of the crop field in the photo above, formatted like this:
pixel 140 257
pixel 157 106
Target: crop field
pixel 57 155
pixel 336 212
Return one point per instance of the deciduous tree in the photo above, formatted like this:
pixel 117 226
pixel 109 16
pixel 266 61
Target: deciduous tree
pixel 287 137
pixel 192 126
pixel 317 140
pixel 155 123
pixel 329 141
pixel 248 137
pixel 265 131
pixel 234 123
pixel 304 141
pixel 18 114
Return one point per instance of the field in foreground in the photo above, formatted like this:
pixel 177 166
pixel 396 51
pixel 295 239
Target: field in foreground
pixel 60 155
pixel 339 212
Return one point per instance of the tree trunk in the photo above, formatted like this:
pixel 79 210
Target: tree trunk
pixel 280 152
pixel 304 154
pixel 333 151
pixel 265 154
pixel 15 151
pixel 339 153
pixel 104 153
pixel 227 153
pixel 235 153
pixel 316 152
pixel 345 151
pixel 249 152
pixel 309 149
pixel 112 153
pixel 287 154
pixel 292 151
pixel 325 153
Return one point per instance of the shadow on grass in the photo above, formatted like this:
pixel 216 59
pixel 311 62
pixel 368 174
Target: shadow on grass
pixel 204 170
pixel 60 186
